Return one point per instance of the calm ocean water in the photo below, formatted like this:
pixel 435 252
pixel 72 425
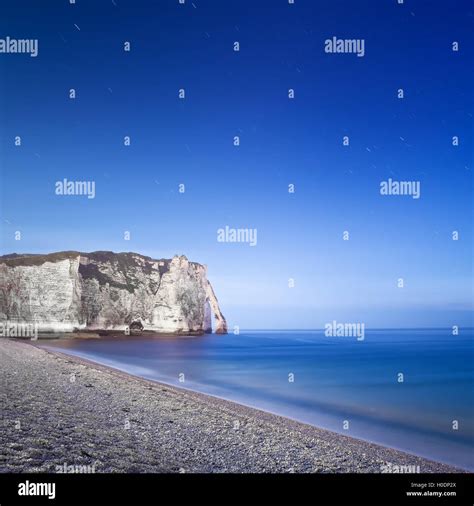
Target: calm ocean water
pixel 335 379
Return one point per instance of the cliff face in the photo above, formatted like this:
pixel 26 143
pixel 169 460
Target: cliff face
pixel 104 290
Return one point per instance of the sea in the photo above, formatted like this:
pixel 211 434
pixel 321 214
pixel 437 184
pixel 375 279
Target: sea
pixel 409 389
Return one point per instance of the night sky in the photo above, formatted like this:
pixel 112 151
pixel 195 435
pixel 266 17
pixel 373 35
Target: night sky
pixel 283 141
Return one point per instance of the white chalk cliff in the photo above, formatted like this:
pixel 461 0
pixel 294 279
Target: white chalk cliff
pixel 70 291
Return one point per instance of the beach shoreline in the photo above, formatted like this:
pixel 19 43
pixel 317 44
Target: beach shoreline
pixel 62 410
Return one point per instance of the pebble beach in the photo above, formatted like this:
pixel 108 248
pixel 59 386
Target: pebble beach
pixel 61 412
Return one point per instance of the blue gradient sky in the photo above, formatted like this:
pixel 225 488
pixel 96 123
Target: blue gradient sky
pixel 282 141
